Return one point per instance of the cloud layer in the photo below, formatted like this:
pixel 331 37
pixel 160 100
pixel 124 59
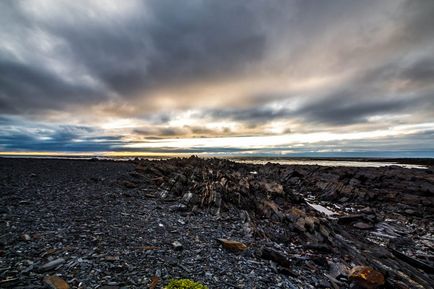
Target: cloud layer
pixel 105 75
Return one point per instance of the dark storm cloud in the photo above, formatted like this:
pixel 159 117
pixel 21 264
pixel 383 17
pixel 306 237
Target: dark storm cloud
pixel 418 21
pixel 416 142
pixel 340 108
pixel 180 42
pixel 23 87
pixel 57 141
pixel 421 71
pixel 396 87
pixel 19 135
pixel 165 42
pixel 203 39
pixel 345 108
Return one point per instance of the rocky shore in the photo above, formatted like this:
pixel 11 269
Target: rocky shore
pixel 141 223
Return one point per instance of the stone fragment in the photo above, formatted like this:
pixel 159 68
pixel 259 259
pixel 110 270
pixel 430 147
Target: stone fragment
pixel 310 222
pixel 52 264
pixel 321 247
pixel 111 258
pixel 300 225
pixel 337 269
pixel 271 209
pixel 177 246
pixel 140 168
pixel 322 209
pixel 232 245
pixel 362 226
pixel 26 237
pixel 180 221
pixel 154 282
pixel 55 282
pixel 275 256
pixel 366 210
pixel 294 214
pixel 129 185
pixel 324 231
pixel 8 282
pixel 273 188
pixel 137 175
pixel 163 194
pixel 178 208
pixel 366 277
pixel 187 197
pixel 348 219
pixel 410 212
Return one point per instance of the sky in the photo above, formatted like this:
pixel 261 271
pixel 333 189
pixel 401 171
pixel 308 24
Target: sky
pixel 227 77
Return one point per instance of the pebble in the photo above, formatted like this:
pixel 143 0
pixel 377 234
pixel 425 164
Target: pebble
pixel 52 264
pixel 363 226
pixel 26 237
pixel 177 246
pixel 55 282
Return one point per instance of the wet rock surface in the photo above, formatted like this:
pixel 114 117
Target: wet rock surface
pixel 138 224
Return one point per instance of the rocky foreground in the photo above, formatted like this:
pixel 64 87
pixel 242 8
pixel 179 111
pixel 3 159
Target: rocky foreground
pixel 139 224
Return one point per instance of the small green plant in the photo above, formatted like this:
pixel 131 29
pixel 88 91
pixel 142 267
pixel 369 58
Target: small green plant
pixel 185 284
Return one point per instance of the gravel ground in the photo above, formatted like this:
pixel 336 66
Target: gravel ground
pixel 109 236
pixel 100 224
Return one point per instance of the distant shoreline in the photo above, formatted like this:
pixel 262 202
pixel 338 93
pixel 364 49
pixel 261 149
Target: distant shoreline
pixel 425 162
pixel 412 161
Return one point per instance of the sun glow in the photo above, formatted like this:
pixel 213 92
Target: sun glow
pixel 286 140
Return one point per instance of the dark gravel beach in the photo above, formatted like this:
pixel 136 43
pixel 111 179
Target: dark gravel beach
pixel 139 224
